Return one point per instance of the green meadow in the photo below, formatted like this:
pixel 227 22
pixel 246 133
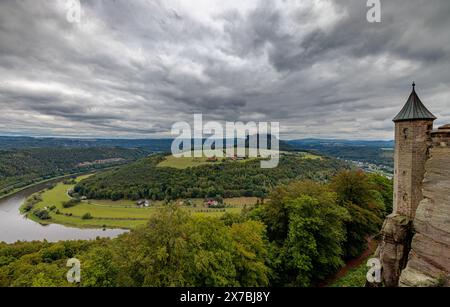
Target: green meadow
pixel 196 158
pixel 115 214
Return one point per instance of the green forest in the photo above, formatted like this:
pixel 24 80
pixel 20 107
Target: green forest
pixel 19 168
pixel 143 179
pixel 301 234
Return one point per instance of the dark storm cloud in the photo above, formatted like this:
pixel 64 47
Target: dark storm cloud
pixel 410 31
pixel 133 68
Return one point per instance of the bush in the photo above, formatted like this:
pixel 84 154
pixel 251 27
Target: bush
pixel 69 181
pixel 71 203
pixel 28 207
pixel 31 201
pixel 86 216
pixel 42 214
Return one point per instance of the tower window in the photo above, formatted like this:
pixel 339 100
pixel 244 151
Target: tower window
pixel 405 132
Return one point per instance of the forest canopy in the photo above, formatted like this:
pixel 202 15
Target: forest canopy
pixel 298 237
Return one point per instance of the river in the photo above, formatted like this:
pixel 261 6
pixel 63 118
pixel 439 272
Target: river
pixel 14 226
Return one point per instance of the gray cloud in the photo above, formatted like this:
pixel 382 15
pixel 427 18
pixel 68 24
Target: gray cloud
pixel 133 68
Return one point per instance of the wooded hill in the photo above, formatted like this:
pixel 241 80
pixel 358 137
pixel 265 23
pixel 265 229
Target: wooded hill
pixel 19 168
pixel 144 179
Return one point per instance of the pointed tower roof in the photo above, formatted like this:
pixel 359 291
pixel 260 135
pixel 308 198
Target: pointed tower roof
pixel 414 109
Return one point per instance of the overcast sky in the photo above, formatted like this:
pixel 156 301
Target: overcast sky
pixel 133 68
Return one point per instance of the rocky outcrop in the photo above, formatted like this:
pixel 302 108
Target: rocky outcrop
pixel 429 259
pixel 393 250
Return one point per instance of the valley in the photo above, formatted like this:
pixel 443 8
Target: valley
pixel 51 205
pixel 142 199
pixel 115 214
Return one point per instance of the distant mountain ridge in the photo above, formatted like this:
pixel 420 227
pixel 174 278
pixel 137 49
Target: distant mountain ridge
pixel 335 142
pixel 8 142
pixel 376 151
pixel 17 142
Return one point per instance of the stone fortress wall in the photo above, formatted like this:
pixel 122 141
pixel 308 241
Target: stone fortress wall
pixel 415 239
pixel 428 262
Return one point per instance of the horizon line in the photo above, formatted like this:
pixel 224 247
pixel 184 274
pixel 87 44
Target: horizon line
pixel 171 138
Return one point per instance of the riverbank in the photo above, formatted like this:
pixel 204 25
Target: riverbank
pixel 50 180
pixel 54 179
pixel 15 227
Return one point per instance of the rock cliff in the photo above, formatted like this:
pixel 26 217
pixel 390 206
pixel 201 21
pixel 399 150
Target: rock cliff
pixel 415 252
pixel 429 259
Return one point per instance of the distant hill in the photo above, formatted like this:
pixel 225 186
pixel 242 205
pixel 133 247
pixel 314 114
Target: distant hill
pixel 304 143
pixel 377 152
pixel 359 150
pixel 8 142
pixel 161 145
pixel 282 145
pixel 145 179
pixel 19 168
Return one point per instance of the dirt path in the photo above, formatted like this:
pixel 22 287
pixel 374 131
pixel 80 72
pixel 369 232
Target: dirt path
pixel 351 264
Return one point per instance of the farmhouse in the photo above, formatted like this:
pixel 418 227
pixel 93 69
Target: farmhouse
pixel 143 203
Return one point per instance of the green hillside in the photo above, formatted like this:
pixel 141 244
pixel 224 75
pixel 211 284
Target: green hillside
pixel 19 168
pixel 146 178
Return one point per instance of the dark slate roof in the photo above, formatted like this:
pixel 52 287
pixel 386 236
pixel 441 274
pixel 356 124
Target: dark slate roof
pixel 414 109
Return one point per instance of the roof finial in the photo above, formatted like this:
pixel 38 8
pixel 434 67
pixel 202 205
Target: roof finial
pixel 414 85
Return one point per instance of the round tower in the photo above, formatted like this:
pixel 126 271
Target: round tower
pixel 413 126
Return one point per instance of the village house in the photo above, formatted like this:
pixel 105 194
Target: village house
pixel 143 203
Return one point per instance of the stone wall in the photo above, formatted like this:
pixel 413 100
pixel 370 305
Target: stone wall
pixel 412 141
pixel 429 259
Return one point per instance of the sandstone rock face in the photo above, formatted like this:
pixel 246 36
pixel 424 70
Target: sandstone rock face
pixel 394 247
pixel 429 258
pixel 415 244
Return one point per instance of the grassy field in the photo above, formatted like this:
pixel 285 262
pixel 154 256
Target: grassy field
pixel 122 213
pixel 307 155
pixel 36 183
pixel 192 161
pixel 185 162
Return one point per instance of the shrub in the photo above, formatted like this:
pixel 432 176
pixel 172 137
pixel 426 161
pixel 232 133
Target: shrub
pixel 86 216
pixel 28 207
pixel 42 214
pixel 69 181
pixel 70 203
